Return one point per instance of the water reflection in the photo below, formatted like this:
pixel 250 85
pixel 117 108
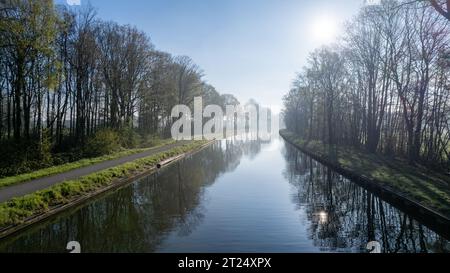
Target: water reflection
pixel 344 216
pixel 138 217
pixel 235 196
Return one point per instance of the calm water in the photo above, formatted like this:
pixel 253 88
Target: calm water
pixel 235 196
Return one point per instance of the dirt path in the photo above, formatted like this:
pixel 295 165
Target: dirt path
pixel 28 187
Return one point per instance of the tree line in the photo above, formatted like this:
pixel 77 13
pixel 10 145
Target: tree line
pixel 384 86
pixel 65 74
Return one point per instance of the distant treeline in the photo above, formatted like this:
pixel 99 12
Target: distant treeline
pixel 67 74
pixel 383 87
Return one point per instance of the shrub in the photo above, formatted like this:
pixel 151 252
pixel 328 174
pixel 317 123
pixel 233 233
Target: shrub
pixel 45 149
pixel 103 142
pixel 129 138
pixel 25 156
pixel 18 209
pixel 152 141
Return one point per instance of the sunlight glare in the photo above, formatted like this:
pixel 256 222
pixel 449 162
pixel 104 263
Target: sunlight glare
pixel 324 29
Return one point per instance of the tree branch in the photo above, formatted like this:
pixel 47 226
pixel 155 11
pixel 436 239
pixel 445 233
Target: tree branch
pixel 439 9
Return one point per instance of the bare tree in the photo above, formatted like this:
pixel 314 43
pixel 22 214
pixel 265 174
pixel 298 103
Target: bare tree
pixel 386 85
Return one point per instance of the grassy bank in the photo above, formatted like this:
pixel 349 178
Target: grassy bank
pixel 9 181
pixel 18 210
pixel 431 190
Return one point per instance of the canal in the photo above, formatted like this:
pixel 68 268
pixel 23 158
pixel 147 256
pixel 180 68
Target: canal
pixel 234 196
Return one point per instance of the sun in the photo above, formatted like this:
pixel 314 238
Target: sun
pixel 324 29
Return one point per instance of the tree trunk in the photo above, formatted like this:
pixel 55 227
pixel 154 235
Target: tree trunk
pixel 20 81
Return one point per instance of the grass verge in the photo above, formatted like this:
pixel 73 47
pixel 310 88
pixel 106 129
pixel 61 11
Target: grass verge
pixel 16 211
pixel 429 189
pixel 9 181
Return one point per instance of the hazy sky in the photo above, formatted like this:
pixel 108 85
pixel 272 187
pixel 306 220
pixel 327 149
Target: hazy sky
pixel 249 48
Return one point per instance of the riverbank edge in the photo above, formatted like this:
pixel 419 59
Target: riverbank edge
pixel 431 218
pixel 79 200
pixel 58 169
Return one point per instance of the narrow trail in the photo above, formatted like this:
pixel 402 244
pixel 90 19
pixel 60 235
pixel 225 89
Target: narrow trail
pixel 28 187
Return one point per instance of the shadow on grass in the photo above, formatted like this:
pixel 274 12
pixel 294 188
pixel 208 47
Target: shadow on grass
pixel 430 190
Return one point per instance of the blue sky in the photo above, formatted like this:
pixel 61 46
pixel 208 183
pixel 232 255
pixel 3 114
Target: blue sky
pixel 249 48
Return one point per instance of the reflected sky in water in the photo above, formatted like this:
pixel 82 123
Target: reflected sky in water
pixel 235 196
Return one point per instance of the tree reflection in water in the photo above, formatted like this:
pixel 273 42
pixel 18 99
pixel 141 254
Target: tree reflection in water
pixel 138 217
pixel 345 217
pixel 172 204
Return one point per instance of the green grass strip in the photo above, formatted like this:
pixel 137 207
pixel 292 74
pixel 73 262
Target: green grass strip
pixel 19 209
pixel 415 182
pixel 13 180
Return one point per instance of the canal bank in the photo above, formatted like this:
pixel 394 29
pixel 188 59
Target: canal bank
pixel 357 167
pixel 23 212
pixel 234 196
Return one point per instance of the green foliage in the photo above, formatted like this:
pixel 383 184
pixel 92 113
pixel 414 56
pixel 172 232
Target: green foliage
pixel 45 149
pixel 153 141
pixel 150 142
pixel 8 181
pixel 129 138
pixel 39 41
pixel 430 190
pixel 24 156
pixel 19 209
pixel 105 141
